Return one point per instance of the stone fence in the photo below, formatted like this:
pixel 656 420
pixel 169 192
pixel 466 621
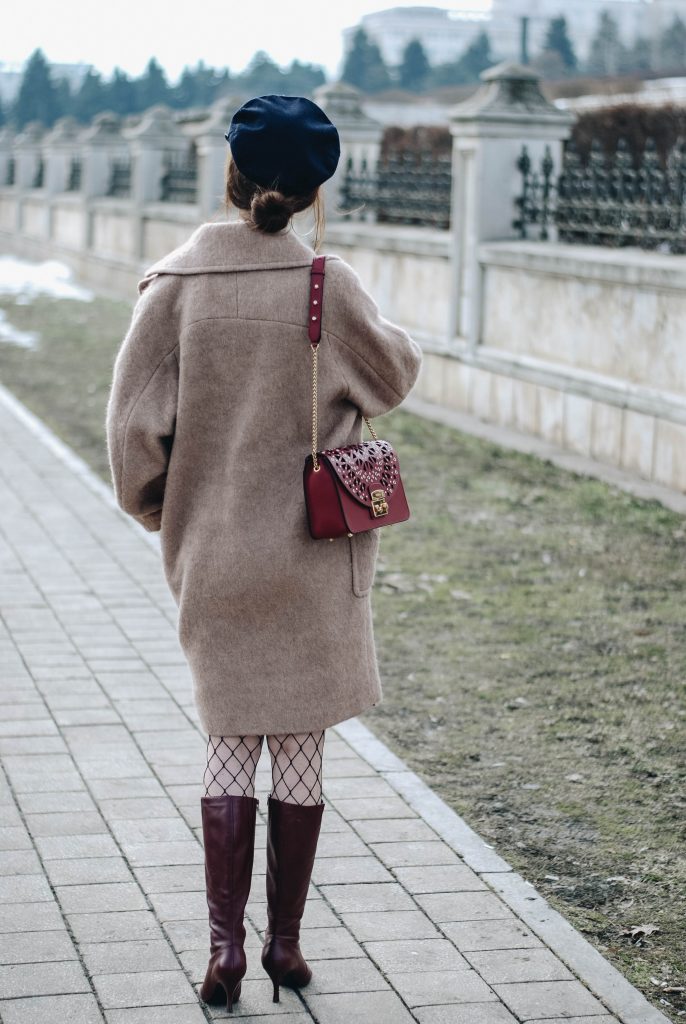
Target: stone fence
pixel 580 345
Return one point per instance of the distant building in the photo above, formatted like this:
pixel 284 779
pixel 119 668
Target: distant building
pixel 443 34
pixel 634 17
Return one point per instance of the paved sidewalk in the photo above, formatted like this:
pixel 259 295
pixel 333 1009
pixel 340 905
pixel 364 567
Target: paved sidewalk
pixel 411 917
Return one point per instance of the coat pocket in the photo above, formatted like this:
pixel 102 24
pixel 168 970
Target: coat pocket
pixel 364 548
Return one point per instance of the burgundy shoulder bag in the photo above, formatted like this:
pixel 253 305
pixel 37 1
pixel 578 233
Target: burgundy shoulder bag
pixel 356 487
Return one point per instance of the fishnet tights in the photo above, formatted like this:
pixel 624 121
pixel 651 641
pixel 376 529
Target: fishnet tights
pixel 296 766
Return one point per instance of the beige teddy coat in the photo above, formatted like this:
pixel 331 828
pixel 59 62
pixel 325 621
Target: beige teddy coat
pixel 208 427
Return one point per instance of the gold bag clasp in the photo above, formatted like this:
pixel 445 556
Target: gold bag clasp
pixel 379 503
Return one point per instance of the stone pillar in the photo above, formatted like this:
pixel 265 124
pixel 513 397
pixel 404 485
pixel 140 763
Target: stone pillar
pixel 60 147
pixel 213 150
pixel 7 154
pixel 489 130
pixel 27 153
pixel 156 135
pixel 101 144
pixel 360 137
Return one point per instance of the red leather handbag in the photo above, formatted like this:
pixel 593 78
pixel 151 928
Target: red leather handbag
pixel 356 487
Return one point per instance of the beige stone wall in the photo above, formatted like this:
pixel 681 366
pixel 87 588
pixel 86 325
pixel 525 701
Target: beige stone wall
pixel 34 218
pixel 631 329
pixel 114 231
pixel 69 224
pixel 161 235
pixel 408 270
pixel 8 212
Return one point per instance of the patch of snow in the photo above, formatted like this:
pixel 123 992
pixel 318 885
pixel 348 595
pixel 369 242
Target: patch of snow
pixel 11 334
pixel 25 280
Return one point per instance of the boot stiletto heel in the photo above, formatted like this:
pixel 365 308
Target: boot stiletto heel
pixel 222 984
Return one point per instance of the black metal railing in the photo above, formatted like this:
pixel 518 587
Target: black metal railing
pixel 405 189
pixel 614 200
pixel 74 177
pixel 38 179
pixel 180 178
pixel 119 184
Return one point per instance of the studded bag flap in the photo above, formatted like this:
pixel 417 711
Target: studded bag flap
pixel 356 487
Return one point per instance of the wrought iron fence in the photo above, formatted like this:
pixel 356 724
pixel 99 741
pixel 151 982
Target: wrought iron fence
pixel 613 201
pixel 39 174
pixel 74 179
pixel 119 184
pixel 180 178
pixel 405 189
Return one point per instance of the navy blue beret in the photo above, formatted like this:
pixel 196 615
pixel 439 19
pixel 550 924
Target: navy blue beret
pixel 284 142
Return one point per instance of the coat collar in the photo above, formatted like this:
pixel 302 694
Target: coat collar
pixel 220 247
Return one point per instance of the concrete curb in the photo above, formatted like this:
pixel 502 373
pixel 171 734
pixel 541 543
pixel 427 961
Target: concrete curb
pixel 519 895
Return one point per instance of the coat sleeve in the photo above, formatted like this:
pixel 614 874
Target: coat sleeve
pixel 141 408
pixel 379 360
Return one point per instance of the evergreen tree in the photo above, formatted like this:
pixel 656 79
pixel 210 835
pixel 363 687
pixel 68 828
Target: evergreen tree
pixel 206 83
pixel 303 79
pixel 185 90
pixel 607 55
pixel 672 47
pixel 91 97
pixel 549 65
pixel 37 99
pixel 640 56
pixel 121 93
pixel 364 66
pixel 198 86
pixel 415 67
pixel 262 75
pixel 476 58
pixel 152 86
pixel 558 41
pixel 224 83
pixel 65 99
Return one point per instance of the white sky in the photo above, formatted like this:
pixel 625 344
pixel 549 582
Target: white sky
pixel 128 32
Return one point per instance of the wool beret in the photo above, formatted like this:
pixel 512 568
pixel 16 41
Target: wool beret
pixel 284 142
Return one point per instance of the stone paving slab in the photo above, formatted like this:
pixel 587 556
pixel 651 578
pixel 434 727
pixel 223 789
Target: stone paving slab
pixel 410 916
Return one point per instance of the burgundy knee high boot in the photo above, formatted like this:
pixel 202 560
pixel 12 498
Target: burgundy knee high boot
pixel 292 836
pixel 228 825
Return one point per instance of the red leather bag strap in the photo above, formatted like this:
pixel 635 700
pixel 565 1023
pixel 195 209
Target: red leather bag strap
pixel 314 330
pixel 317 272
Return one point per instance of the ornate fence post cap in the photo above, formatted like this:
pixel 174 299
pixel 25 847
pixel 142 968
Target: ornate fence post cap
pixel 510 92
pixel 218 118
pixel 65 131
pixel 104 128
pixel 342 102
pixel 509 70
pixel 157 123
pixel 32 134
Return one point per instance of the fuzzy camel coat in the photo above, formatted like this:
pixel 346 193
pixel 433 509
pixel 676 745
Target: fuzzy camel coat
pixel 208 426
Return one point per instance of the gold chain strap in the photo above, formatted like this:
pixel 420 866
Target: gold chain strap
pixel 315 461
